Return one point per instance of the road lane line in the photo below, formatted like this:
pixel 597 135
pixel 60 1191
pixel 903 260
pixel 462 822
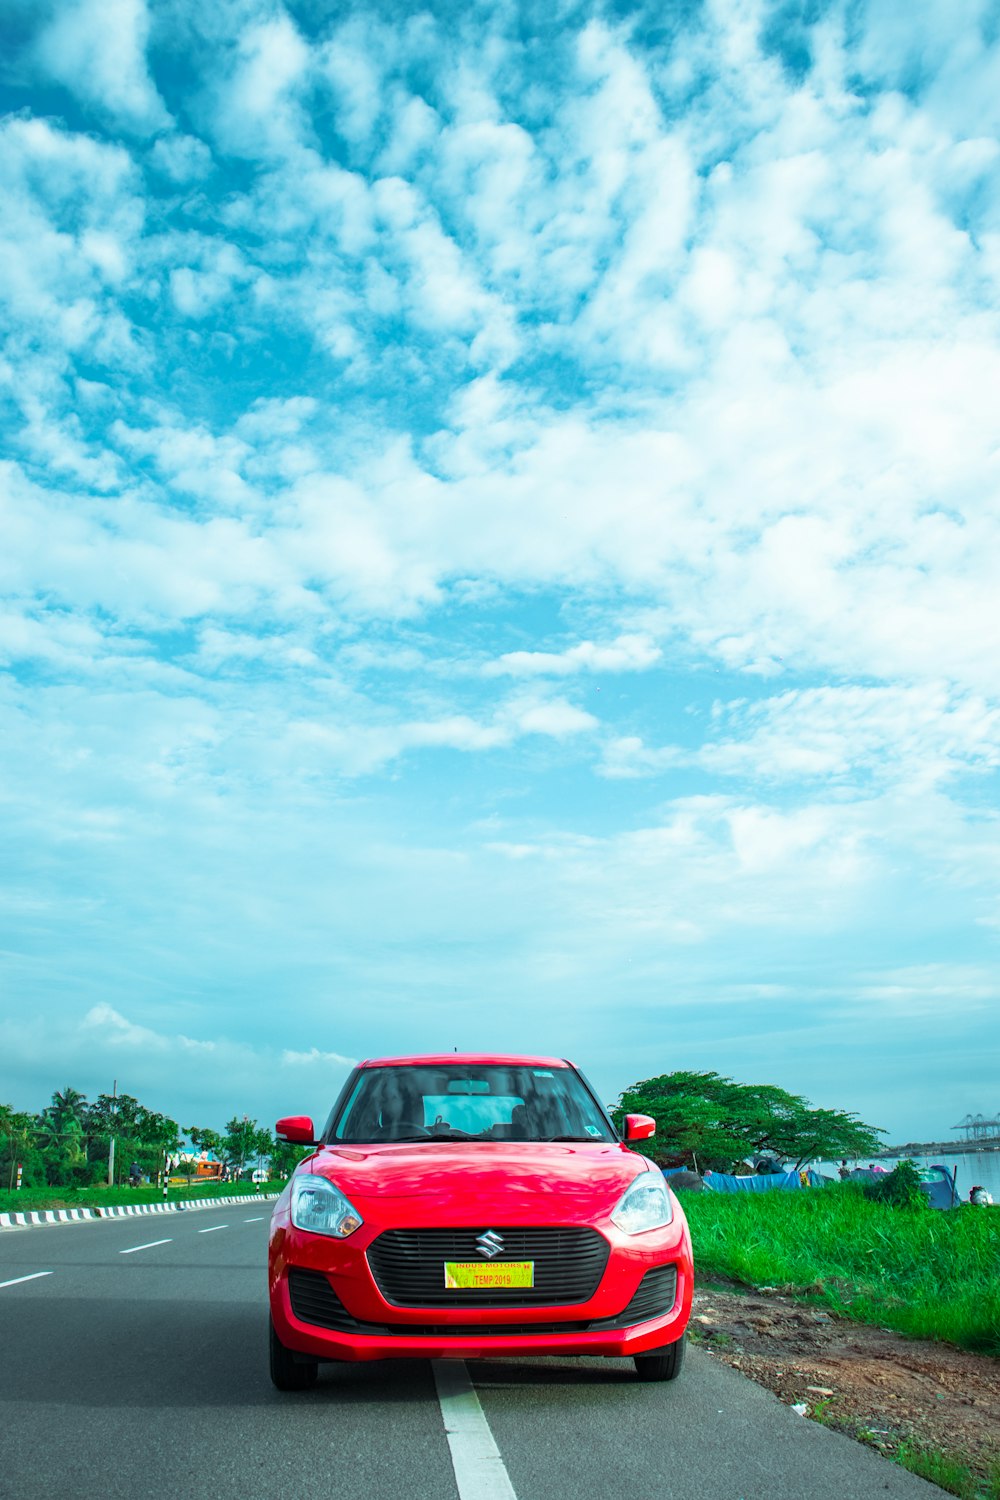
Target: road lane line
pixel 213 1229
pixel 149 1246
pixel 18 1279
pixel 259 1219
pixel 475 1457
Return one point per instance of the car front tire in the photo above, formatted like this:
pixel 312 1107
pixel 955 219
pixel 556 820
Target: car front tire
pixel 290 1372
pixel 661 1364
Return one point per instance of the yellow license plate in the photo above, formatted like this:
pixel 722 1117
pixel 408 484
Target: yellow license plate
pixel 460 1274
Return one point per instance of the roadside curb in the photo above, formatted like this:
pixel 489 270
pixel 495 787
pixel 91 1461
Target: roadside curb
pixel 33 1217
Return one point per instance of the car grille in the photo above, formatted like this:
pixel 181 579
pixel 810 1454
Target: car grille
pixel 314 1301
pixel 408 1266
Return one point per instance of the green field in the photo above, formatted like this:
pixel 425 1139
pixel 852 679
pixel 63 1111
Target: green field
pixel 924 1273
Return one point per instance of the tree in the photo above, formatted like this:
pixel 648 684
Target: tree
pixel 114 1115
pixel 203 1138
pixel 244 1141
pixel 720 1123
pixel 140 1134
pixel 69 1106
pixel 158 1135
pixel 60 1139
pixel 17 1147
pixel 284 1157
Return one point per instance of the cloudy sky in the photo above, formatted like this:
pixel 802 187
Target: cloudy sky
pixel 500 546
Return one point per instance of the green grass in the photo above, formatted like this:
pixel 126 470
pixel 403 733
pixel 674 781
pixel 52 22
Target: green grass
pixel 923 1273
pixel 33 1199
pixel 948 1472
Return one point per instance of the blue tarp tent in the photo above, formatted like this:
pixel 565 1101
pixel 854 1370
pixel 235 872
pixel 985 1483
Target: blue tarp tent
pixel 724 1182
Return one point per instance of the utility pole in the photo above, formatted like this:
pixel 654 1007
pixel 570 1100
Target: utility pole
pixel 111 1144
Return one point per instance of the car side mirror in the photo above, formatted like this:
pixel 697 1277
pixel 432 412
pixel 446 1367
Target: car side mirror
pixel 297 1130
pixel 639 1127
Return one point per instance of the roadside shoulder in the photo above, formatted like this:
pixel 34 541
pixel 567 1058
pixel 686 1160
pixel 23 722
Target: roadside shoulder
pixel 896 1394
pixel 32 1218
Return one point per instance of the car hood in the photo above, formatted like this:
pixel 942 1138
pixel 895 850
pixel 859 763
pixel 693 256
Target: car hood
pixel 550 1180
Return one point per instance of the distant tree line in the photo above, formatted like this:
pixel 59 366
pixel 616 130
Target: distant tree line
pixel 711 1123
pixel 68 1144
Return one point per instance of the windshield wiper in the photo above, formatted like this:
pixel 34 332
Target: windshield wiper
pixel 583 1138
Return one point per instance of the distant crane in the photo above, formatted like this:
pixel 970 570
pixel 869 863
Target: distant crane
pixel 978 1128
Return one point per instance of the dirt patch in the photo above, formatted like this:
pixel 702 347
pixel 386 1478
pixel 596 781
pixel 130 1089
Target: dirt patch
pixel 868 1382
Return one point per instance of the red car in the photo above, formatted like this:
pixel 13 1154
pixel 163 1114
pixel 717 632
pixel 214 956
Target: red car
pixel 475 1206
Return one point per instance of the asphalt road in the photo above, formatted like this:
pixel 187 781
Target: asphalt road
pixel 135 1368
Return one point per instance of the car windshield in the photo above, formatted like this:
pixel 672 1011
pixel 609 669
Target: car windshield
pixel 485 1102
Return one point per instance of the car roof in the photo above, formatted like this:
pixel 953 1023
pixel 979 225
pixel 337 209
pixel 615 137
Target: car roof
pixel 473 1059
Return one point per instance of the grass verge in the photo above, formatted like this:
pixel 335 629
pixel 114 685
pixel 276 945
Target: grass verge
pixel 926 1274
pixel 31 1200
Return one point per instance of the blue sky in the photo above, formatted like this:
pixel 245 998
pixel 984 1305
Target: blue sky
pixel 500 523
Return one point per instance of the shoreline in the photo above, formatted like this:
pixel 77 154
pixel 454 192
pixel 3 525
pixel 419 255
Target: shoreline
pixel 938 1148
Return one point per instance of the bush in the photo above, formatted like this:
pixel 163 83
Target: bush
pixel 87 1174
pixel 899 1188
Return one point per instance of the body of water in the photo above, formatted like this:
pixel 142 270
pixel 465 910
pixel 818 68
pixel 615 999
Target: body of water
pixel 974 1168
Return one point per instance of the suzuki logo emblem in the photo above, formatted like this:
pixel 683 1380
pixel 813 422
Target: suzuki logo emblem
pixel 489 1243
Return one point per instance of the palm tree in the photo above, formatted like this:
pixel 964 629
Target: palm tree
pixel 60 1142
pixel 69 1106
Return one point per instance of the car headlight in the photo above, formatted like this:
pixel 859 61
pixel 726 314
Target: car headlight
pixel 645 1204
pixel 320 1208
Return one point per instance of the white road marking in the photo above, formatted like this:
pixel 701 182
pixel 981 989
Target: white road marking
pixel 149 1246
pixel 213 1229
pixel 18 1279
pixel 475 1457
pixel 259 1219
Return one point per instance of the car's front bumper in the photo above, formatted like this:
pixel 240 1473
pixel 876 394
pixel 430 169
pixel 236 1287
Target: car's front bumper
pixel 314 1283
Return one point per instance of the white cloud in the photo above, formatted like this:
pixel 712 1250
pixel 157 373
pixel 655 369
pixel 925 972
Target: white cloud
pixel 928 991
pixel 116 1031
pixel 625 757
pixel 97 49
pixel 183 158
pixel 363 745
pixel 915 737
pixel 259 111
pixel 315 1058
pixel 628 653
pixel 276 417
pixel 553 717
pixel 350 63
pixel 919 735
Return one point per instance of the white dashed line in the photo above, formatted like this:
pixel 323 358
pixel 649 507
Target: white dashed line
pixel 259 1219
pixel 213 1229
pixel 18 1279
pixel 475 1457
pixel 150 1246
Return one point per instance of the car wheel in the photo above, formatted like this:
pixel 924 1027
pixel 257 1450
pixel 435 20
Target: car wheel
pixel 661 1364
pixel 288 1371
